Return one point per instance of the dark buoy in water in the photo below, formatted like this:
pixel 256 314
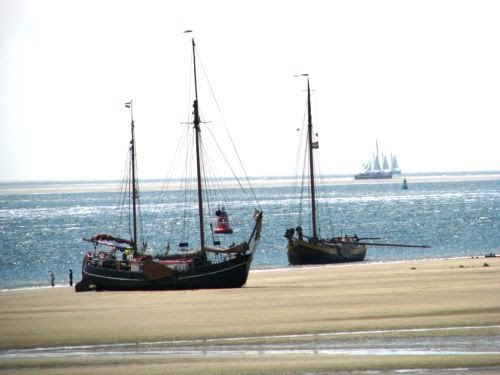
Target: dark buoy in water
pixel 405 184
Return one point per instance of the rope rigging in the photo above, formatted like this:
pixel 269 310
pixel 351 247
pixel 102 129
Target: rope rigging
pixel 231 139
pixel 301 183
pixel 215 190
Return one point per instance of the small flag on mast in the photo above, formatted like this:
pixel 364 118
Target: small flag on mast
pixel 315 144
pixel 128 104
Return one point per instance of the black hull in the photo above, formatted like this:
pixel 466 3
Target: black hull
pixel 301 253
pixel 231 273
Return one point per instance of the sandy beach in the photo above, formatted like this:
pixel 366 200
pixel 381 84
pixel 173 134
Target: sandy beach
pixel 439 314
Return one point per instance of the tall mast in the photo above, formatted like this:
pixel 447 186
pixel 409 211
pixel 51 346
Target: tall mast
pixel 311 161
pixel 133 182
pixel 196 123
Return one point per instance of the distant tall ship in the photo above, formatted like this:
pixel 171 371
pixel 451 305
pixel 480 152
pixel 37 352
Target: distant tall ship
pixel 373 170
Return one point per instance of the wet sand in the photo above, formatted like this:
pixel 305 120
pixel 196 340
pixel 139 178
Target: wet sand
pixel 440 314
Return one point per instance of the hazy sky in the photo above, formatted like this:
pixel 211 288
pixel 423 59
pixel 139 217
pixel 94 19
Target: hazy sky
pixel 421 77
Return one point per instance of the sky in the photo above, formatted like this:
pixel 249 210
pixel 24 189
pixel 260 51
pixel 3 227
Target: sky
pixel 420 77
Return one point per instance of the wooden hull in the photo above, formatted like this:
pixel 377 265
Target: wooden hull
pixel 301 252
pixel 232 273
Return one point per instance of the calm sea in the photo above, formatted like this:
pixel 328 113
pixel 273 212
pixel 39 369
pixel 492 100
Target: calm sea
pixel 458 215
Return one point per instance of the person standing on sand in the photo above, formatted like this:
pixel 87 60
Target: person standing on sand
pixel 70 277
pixel 51 277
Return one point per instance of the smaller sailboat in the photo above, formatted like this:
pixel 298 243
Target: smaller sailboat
pixel 312 249
pixel 373 170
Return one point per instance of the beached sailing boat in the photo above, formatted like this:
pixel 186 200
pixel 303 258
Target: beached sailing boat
pixel 312 249
pixel 118 264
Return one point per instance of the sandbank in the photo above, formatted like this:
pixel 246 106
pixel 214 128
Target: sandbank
pixel 257 182
pixel 304 307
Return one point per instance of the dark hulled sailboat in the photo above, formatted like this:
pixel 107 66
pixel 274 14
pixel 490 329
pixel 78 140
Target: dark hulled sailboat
pixel 118 264
pixel 312 249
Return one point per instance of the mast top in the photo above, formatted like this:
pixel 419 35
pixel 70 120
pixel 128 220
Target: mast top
pixel 311 160
pixel 189 31
pixel 129 105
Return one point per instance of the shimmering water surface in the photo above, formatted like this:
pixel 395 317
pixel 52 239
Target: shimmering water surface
pixel 42 224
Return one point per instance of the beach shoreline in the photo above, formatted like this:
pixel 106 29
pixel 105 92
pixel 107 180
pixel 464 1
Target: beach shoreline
pixel 266 268
pixel 319 312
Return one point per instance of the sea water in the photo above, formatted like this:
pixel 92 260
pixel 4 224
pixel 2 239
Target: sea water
pixel 42 223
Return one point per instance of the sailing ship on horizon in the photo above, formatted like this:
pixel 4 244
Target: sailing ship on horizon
pixel 378 167
pixel 117 263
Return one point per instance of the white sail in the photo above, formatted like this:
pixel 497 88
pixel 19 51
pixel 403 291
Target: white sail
pixel 394 162
pixel 394 165
pixel 385 165
pixel 376 164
